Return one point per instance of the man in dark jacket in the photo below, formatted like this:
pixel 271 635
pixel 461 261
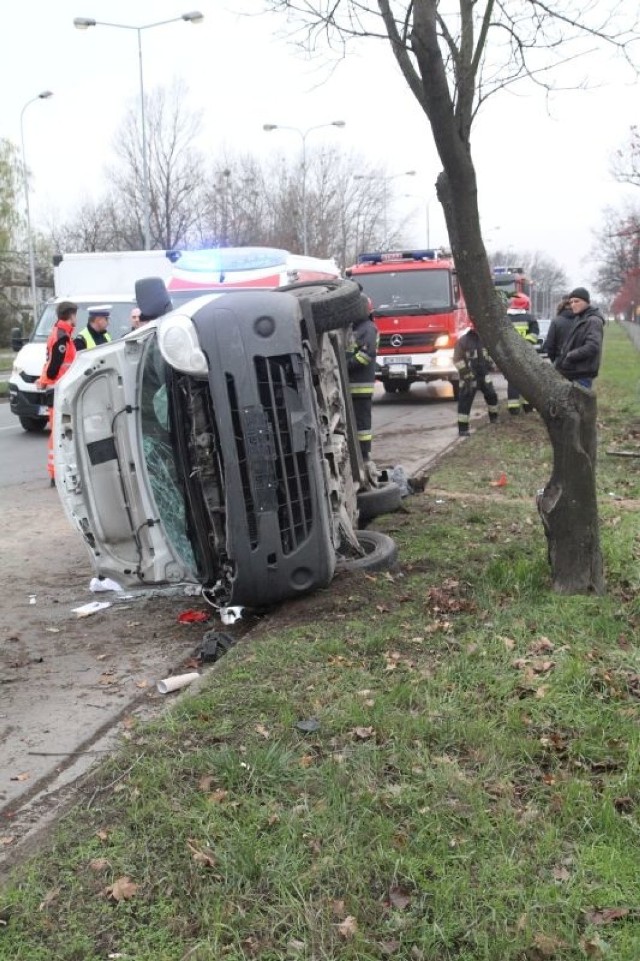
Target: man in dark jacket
pixel 579 358
pixel 558 330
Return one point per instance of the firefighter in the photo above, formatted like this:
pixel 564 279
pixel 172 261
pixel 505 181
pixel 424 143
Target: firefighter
pixel 526 325
pixel 95 333
pixel 61 352
pixel 361 366
pixel 473 364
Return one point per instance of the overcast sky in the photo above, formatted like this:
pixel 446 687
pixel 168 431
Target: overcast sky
pixel 543 165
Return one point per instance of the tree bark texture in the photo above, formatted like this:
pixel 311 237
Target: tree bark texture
pixel 567 505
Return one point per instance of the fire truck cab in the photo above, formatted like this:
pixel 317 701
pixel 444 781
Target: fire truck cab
pixel 419 311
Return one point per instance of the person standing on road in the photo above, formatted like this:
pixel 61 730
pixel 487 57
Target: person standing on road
pixel 361 354
pixel 558 330
pixel 527 326
pixel 61 352
pixel 473 364
pixel 579 358
pixel 95 333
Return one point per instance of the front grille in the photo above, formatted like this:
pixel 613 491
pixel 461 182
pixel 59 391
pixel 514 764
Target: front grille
pixel 283 482
pixel 420 339
pixel 32 398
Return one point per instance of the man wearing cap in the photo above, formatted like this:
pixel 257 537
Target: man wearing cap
pixel 95 333
pixel 579 359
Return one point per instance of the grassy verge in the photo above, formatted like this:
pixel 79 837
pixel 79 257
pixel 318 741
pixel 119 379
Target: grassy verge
pixel 468 790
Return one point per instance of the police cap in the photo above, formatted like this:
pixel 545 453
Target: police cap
pixel 100 310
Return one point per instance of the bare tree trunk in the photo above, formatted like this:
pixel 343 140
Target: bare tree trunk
pixel 568 505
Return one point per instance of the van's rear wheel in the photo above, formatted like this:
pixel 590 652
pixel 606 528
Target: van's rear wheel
pixel 334 304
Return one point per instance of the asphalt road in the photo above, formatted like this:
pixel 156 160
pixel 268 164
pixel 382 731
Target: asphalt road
pixel 23 455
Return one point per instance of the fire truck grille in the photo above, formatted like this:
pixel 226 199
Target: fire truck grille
pixel 421 340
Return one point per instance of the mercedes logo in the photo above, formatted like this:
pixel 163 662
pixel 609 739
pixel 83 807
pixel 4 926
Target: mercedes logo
pixel 396 340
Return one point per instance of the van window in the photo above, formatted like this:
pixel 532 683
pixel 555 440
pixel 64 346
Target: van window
pixel 119 321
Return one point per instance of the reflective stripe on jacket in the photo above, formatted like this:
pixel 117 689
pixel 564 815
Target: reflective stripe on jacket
pixel 89 337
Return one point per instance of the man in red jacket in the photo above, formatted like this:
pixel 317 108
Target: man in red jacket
pixel 61 352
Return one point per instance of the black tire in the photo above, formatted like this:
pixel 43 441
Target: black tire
pixel 33 424
pixel 334 303
pixel 378 500
pixel 381 553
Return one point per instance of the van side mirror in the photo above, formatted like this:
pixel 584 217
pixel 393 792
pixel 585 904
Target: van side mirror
pixel 17 338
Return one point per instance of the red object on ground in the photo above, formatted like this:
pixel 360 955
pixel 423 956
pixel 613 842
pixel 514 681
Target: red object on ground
pixel 501 481
pixel 192 617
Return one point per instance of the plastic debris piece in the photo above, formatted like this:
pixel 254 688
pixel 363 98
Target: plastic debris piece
pixel 176 683
pixel 308 725
pixel 192 617
pixel 214 645
pixel 400 477
pixel 100 584
pixel 91 608
pixel 32 598
pixel 229 615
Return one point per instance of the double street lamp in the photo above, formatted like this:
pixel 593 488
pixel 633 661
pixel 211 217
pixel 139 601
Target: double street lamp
pixel 385 179
pixel 83 23
pixel 303 134
pixel 32 263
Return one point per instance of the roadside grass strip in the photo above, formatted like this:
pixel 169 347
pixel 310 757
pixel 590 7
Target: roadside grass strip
pixel 435 763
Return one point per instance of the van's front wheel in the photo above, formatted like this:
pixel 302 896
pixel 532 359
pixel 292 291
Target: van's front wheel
pixel 33 424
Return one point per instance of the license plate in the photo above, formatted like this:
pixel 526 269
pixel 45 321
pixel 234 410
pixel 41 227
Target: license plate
pixel 397 370
pixel 397 359
pixel 43 411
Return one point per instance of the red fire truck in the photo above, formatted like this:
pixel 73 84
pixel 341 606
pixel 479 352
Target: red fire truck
pixel 511 280
pixel 419 311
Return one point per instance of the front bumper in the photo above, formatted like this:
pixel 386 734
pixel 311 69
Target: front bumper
pixel 417 367
pixel 27 403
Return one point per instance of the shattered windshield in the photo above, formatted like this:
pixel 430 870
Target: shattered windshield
pixel 430 289
pixel 159 454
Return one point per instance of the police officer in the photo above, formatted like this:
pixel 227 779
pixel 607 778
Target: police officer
pixel 61 352
pixel 95 333
pixel 526 325
pixel 361 352
pixel 474 364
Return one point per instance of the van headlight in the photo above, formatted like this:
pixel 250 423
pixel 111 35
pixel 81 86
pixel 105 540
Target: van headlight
pixel 178 342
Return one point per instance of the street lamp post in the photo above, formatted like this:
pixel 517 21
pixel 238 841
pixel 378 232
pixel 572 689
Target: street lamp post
pixel 303 134
pixel 32 262
pixel 83 23
pixel 385 178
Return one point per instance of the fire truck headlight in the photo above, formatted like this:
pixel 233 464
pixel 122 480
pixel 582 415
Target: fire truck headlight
pixel 178 342
pixel 442 341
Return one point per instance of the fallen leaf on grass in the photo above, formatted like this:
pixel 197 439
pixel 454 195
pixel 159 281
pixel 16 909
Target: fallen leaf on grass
pixel 142 684
pixel 399 898
pixel 560 873
pixel 49 898
pixel 122 890
pixel 201 855
pixel 7 840
pixel 348 928
pixel 338 909
pixel 99 864
pixel 217 797
pixel 605 915
pixel 363 733
pixel 389 947
pixel 262 731
pixel 102 835
pixel 509 643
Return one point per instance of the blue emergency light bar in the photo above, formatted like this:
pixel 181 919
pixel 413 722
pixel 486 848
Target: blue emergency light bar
pixel 508 270
pixel 386 256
